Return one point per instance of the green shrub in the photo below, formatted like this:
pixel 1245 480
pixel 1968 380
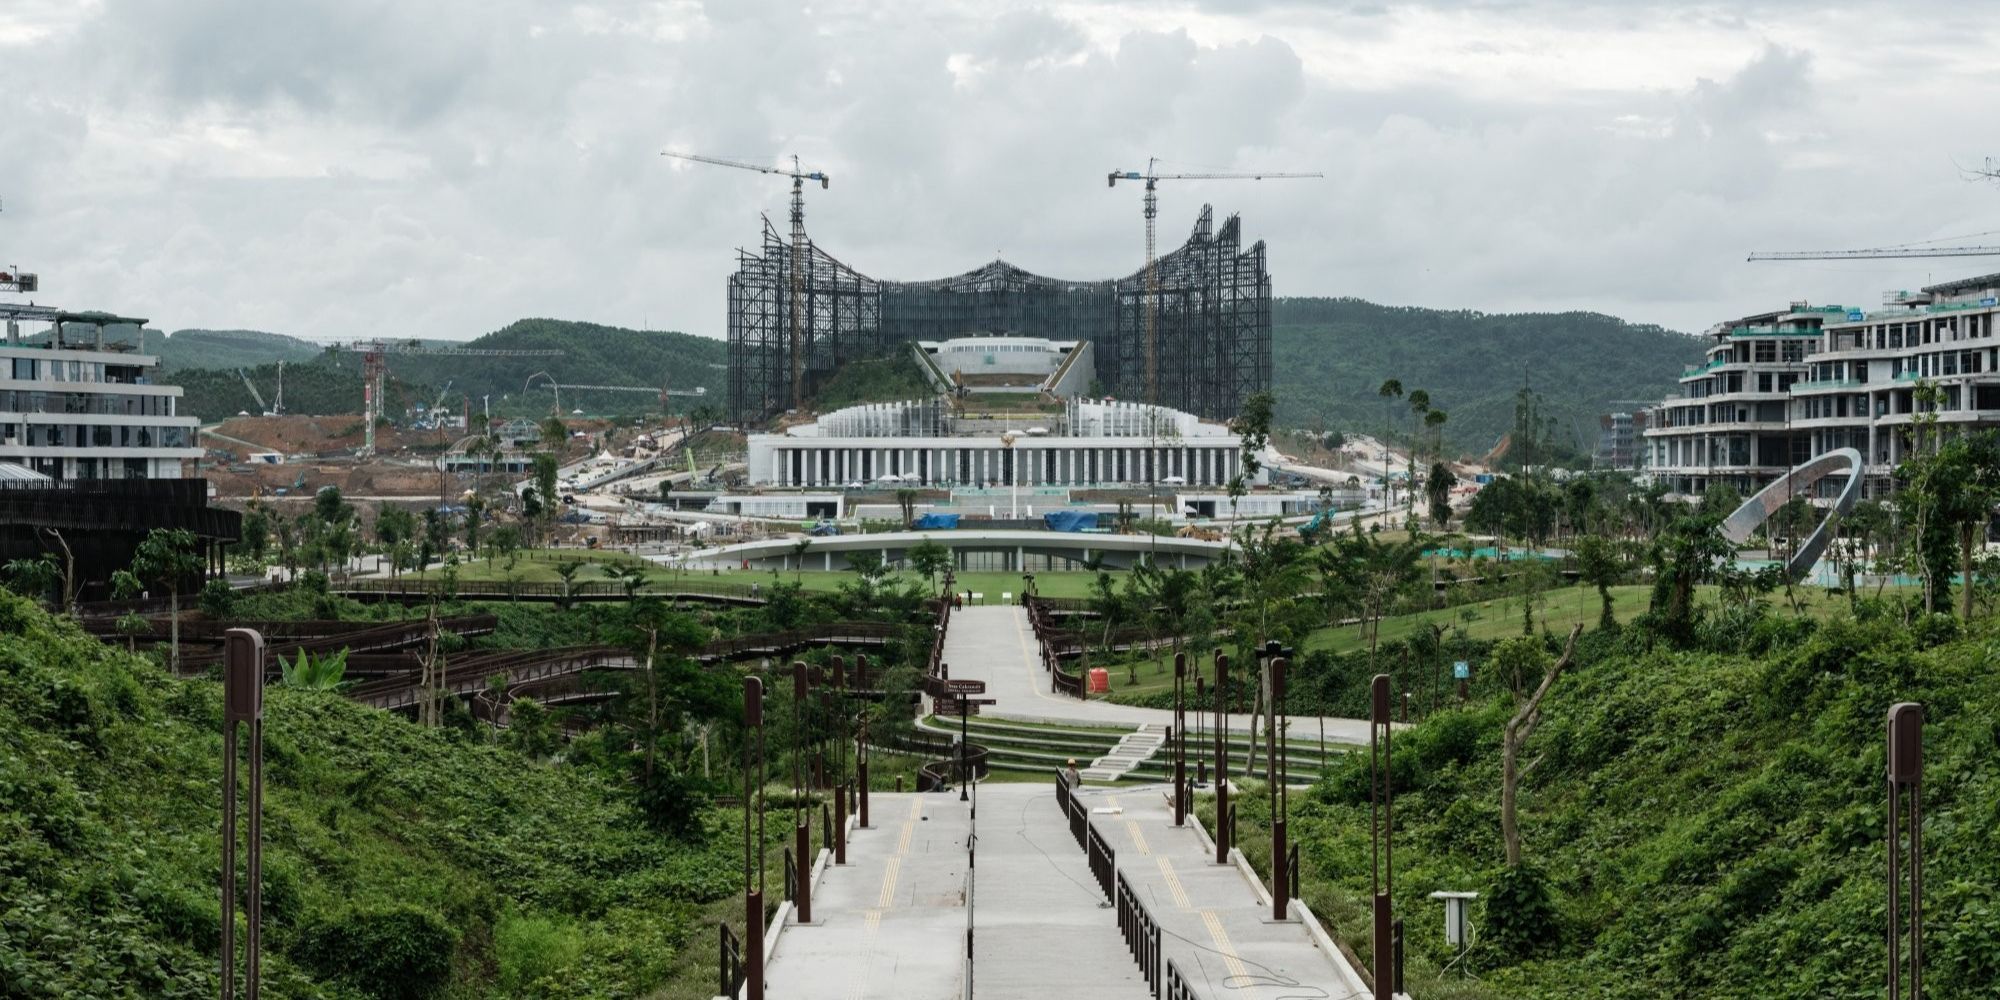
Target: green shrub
pixel 533 948
pixel 393 952
pixel 1521 917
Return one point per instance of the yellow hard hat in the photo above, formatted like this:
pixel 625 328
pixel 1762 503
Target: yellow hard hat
pixel 1072 762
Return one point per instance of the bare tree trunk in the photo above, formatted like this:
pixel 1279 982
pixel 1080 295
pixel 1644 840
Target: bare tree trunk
pixel 652 703
pixel 1965 569
pixel 174 616
pixel 1517 732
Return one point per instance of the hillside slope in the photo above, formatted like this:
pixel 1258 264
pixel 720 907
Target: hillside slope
pixel 1702 823
pixel 1331 355
pixel 400 861
pixel 229 349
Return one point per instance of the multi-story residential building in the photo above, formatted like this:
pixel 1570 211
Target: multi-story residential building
pixel 1862 393
pixel 1781 388
pixel 76 407
pixel 1731 423
pixel 1619 445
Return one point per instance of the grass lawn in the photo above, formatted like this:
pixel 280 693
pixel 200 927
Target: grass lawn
pixel 539 566
pixel 1495 619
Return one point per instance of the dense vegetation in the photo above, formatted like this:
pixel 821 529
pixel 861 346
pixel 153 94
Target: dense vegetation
pixel 889 379
pixel 401 862
pixel 229 349
pixel 330 382
pixel 1330 355
pixel 1704 821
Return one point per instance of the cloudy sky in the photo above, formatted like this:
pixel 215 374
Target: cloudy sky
pixel 335 168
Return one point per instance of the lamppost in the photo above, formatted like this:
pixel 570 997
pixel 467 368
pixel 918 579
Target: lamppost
pixel 1013 477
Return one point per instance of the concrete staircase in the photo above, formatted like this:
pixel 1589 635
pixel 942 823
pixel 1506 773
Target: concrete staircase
pixel 1135 748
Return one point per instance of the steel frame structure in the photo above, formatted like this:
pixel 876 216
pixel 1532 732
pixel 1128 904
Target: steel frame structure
pixel 1212 301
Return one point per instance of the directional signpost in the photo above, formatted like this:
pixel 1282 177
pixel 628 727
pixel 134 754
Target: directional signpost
pixel 966 707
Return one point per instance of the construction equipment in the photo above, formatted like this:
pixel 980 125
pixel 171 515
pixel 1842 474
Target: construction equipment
pixel 1878 253
pixel 13 280
pixel 374 363
pixel 1152 207
pixel 663 394
pixel 1316 529
pixel 796 266
pixel 254 394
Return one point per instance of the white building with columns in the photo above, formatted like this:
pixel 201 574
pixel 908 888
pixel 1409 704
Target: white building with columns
pixel 1092 443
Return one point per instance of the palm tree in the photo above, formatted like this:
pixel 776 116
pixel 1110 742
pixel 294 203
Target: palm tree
pixel 1420 404
pixel 1391 389
pixel 1435 421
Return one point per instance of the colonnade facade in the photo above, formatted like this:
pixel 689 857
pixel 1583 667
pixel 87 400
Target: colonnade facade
pixel 974 462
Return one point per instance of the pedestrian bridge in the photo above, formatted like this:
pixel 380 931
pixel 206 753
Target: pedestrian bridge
pixel 1018 549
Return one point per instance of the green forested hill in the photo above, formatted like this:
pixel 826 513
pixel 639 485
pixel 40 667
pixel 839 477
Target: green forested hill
pixel 1331 355
pixel 592 355
pixel 228 349
pixel 401 862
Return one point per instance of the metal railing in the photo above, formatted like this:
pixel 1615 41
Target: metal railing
pixel 1291 868
pixel 1097 851
pixel 424 589
pixel 729 964
pixel 1178 986
pixel 1141 933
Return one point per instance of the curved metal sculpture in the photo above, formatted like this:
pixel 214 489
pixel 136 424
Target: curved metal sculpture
pixel 1745 520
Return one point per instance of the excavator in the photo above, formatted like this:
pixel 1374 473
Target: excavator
pixel 1315 531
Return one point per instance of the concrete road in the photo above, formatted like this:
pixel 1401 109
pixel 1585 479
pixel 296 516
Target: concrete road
pixel 996 645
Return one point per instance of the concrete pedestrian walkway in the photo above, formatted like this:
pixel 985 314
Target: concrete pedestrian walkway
pixel 1215 921
pixel 890 922
pixel 995 644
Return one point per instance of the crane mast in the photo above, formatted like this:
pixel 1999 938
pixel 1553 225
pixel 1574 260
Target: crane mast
pixel 374 364
pixel 799 176
pixel 1152 212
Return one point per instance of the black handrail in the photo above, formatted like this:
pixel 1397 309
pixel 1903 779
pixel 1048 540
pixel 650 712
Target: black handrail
pixel 1178 987
pixel 729 964
pixel 1292 870
pixel 1141 933
pixel 1103 860
pixel 791 876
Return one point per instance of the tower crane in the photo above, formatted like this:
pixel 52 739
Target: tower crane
pixel 799 177
pixel 1878 253
pixel 663 394
pixel 1152 209
pixel 374 362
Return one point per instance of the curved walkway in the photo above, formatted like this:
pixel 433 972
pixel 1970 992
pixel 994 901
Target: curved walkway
pixel 996 645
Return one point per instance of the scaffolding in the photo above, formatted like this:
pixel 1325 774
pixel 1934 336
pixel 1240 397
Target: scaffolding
pixel 1213 310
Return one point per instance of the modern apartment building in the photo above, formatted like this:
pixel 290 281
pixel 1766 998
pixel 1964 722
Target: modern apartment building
pixel 76 407
pixel 1863 388
pixel 1731 423
pixel 1780 388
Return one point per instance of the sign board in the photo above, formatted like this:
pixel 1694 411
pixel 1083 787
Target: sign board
pixel 1855 316
pixel 1461 670
pixel 1989 301
pixel 965 687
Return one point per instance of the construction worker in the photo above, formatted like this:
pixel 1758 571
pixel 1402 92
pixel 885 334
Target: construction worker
pixel 1070 776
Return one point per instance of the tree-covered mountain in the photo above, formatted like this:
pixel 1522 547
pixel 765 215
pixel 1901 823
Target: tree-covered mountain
pixel 228 349
pixel 1330 356
pixel 330 381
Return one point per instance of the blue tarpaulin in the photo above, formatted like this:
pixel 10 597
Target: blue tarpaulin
pixel 928 522
pixel 1070 520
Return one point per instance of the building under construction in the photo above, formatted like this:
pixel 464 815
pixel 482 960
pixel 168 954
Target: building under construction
pixel 1210 321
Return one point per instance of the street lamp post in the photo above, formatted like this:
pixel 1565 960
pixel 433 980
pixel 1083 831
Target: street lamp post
pixel 1013 477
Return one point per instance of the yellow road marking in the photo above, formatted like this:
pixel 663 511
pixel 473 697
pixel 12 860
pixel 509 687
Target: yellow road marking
pixel 1173 878
pixel 1221 939
pixel 889 873
pixel 870 920
pixel 1138 839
